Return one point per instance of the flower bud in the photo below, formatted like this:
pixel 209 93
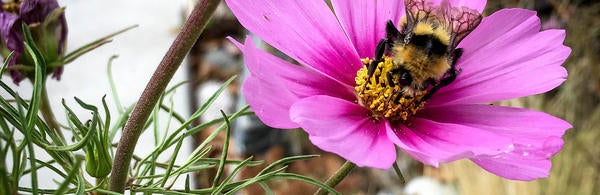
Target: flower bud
pixel 98 162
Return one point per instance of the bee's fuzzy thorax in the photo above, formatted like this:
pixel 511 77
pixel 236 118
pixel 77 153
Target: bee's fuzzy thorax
pixel 433 30
pixel 421 66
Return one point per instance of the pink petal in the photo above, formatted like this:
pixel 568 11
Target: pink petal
pixel 522 125
pixel 507 57
pixel 365 21
pixel 536 136
pixel 345 128
pixel 433 142
pixel 521 163
pixel 274 85
pixel 304 30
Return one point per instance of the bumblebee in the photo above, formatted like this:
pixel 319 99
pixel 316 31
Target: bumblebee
pixel 411 64
pixel 425 52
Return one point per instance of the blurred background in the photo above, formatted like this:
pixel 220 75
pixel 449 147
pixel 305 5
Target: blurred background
pixel 576 169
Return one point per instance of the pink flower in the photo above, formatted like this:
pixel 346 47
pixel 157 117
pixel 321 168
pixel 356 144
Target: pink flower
pixel 505 57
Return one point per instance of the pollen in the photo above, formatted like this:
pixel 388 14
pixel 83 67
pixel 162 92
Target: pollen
pixel 12 6
pixel 380 93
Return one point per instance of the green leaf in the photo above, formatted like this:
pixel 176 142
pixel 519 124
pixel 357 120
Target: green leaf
pixel 286 160
pixel 50 166
pixel 91 46
pixel 5 64
pixel 235 171
pixel 80 128
pixel 224 152
pixel 266 188
pixel 172 162
pixel 198 112
pixel 303 178
pixel 62 189
pixel 258 178
pixel 111 82
pixel 120 123
pixel 187 183
pixel 76 146
pixel 38 86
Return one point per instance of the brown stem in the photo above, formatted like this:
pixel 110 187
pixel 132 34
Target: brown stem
pixel 133 128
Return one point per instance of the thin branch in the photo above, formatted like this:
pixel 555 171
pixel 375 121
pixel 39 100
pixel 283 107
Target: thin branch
pixel 166 69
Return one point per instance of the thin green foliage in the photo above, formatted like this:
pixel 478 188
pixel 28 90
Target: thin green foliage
pixel 229 178
pixel 286 160
pixel 172 162
pixel 90 46
pixel 113 86
pixel 293 176
pixel 168 142
pixel 94 136
pixel 224 151
pixel 71 176
pixel 40 67
pixel 5 63
pixel 266 188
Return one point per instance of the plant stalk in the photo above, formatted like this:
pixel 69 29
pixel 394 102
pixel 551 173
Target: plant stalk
pixel 336 178
pixel 47 113
pixel 158 82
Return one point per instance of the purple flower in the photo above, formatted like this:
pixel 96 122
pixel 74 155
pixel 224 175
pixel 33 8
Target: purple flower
pixel 35 13
pixel 505 57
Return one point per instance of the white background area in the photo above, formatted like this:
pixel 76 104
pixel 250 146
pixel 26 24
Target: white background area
pixel 139 50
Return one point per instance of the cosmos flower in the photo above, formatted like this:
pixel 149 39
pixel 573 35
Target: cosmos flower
pixel 505 57
pixel 49 32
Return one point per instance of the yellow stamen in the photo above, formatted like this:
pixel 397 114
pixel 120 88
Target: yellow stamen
pixel 383 97
pixel 12 6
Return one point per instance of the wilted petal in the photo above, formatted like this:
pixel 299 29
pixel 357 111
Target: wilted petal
pixel 34 11
pixel 507 57
pixel 275 84
pixel 433 142
pixel 365 21
pixel 13 40
pixel 304 30
pixel 345 128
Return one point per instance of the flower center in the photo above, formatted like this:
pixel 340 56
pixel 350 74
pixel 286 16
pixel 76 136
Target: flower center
pixel 12 6
pixel 382 93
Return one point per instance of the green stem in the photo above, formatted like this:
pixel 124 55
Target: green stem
pixel 336 178
pixel 47 113
pixel 399 173
pixel 158 82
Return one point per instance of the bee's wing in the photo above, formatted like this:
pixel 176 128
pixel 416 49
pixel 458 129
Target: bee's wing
pixel 460 21
pixel 416 11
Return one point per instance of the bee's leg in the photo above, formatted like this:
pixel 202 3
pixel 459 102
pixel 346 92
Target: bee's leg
pixel 379 52
pixel 452 73
pixel 455 55
pixel 391 32
pixel 436 86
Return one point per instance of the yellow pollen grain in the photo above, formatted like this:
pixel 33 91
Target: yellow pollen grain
pixel 384 98
pixel 11 7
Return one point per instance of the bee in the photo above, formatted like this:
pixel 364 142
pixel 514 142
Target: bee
pixel 424 52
